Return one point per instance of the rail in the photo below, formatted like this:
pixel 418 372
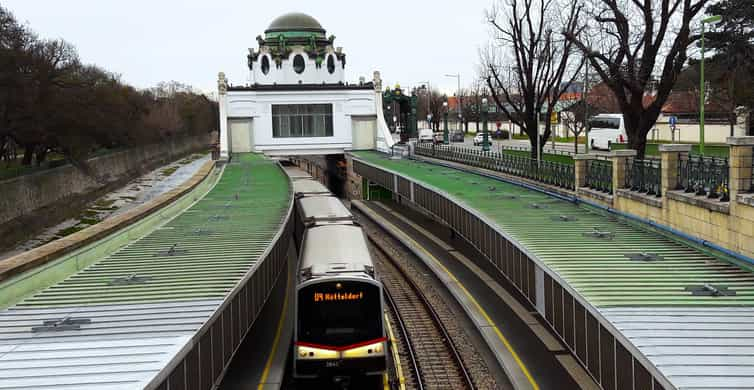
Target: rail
pixel 644 176
pixel 705 176
pixel 548 172
pixel 404 334
pixel 599 175
pixel 411 306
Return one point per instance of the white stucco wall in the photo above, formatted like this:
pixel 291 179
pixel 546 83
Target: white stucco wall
pixel 286 75
pixel 258 106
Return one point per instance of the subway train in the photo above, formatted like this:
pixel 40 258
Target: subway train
pixel 338 330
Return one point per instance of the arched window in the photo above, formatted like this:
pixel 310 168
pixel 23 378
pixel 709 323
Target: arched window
pixel 331 64
pixel 265 65
pixel 298 64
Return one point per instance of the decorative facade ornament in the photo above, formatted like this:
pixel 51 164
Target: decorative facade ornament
pixel 377 81
pixel 222 83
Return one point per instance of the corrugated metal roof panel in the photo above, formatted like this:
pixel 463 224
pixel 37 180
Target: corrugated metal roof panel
pixel 124 346
pixel 600 269
pixel 200 254
pixel 137 308
pixel 696 348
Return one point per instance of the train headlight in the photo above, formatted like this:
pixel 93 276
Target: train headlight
pixel 375 349
pixel 311 353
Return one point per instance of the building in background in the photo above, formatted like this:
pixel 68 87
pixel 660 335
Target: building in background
pixel 298 101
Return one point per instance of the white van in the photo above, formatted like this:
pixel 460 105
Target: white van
pixel 605 129
pixel 426 135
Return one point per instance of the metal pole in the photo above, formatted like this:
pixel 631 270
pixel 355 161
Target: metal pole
pixel 539 139
pixel 586 108
pixel 701 98
pixel 485 135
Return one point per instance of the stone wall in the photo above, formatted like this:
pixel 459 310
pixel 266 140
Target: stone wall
pixel 66 185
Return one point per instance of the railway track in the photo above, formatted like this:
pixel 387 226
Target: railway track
pixel 432 359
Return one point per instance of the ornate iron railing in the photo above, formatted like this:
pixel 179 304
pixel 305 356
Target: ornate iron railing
pixel 705 176
pixel 599 175
pixel 548 172
pixel 644 176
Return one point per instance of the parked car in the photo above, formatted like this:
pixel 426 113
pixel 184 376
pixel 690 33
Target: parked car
pixel 479 138
pixel 426 135
pixel 604 129
pixel 457 136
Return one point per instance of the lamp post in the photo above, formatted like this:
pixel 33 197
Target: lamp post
pixel 426 86
pixel 485 133
pixel 710 20
pixel 445 122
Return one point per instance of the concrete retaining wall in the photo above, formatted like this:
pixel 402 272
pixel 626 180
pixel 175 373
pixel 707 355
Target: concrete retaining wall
pixel 26 194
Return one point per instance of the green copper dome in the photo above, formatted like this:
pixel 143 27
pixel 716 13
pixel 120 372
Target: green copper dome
pixel 295 22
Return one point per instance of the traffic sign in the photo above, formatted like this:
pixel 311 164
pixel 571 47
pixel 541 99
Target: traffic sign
pixel 673 120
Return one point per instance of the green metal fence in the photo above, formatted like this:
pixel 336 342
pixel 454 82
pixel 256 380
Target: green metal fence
pixel 548 172
pixel 644 176
pixel 599 175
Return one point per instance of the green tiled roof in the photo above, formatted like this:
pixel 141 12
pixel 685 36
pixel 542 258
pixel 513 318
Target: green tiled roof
pixel 598 268
pixel 214 243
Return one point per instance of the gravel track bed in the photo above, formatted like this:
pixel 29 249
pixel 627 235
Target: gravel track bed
pixel 446 311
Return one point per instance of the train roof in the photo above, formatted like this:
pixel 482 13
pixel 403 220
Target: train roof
pixel 323 209
pixel 309 187
pixel 335 250
pixel 296 173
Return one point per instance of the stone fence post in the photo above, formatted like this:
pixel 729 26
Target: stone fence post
pixel 740 165
pixel 620 160
pixel 580 165
pixel 671 155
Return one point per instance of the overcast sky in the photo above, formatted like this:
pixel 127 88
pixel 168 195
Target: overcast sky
pixel 148 41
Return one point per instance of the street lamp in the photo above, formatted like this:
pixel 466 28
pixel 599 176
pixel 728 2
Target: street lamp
pixel 485 134
pixel 710 20
pixel 445 122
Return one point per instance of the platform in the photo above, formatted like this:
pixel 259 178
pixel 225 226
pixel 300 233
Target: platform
pixel 165 311
pixel 630 302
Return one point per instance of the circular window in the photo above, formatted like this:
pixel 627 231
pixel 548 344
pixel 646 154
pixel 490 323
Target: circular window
pixel 298 63
pixel 331 64
pixel 265 65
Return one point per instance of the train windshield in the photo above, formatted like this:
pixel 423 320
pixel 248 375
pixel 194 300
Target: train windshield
pixel 339 313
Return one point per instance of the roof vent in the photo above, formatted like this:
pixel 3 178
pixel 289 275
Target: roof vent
pixel 564 218
pixel 202 232
pixel 173 251
pixel 537 206
pixel 644 256
pixel 130 279
pixel 217 217
pixel 65 323
pixel 491 188
pixel 709 290
pixel 597 233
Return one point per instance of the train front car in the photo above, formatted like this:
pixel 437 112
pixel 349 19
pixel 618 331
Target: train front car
pixel 339 328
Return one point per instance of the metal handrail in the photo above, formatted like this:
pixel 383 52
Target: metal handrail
pixel 548 172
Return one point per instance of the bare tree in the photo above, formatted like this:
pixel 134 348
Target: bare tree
pixel 530 44
pixel 628 43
